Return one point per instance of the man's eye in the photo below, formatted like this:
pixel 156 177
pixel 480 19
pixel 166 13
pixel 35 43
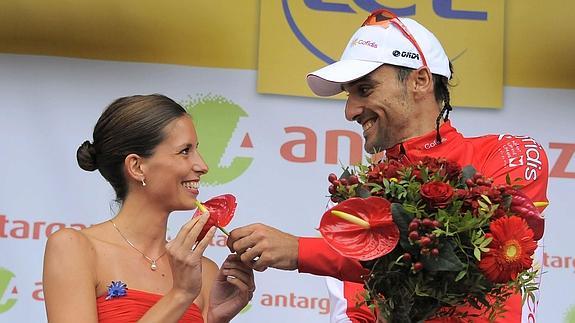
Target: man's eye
pixel 363 90
pixel 185 151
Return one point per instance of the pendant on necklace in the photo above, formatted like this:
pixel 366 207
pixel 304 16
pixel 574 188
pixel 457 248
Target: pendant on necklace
pixel 153 265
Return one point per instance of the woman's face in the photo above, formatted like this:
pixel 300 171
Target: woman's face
pixel 172 173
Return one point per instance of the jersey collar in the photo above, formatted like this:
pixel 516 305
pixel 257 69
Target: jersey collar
pixel 414 148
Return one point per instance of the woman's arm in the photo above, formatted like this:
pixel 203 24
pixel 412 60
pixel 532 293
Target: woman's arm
pixel 69 278
pixel 187 265
pixel 209 273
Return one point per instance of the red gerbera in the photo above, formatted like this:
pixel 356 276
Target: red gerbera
pixel 222 209
pixel 510 250
pixel 354 241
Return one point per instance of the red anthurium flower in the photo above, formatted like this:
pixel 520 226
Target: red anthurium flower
pixel 522 205
pixel 222 209
pixel 510 250
pixel 354 241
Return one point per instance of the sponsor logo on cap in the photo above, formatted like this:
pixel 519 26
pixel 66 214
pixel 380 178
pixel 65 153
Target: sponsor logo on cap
pixel 358 41
pixel 411 55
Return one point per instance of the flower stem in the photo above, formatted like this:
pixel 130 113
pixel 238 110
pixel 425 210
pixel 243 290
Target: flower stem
pixel 351 218
pixel 223 231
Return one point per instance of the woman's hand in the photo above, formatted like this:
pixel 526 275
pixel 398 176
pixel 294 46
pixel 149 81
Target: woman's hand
pixel 232 289
pixel 185 260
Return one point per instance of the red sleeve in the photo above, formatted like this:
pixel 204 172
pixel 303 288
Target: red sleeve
pixel 526 163
pixel 316 257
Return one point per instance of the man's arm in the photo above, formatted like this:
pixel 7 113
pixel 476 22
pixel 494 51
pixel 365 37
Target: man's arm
pixel 261 246
pixel 316 257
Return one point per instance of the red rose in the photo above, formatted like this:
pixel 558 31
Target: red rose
pixel 437 194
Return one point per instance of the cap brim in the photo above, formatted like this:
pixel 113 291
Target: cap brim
pixel 327 81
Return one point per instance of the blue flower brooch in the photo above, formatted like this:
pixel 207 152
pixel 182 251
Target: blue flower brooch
pixel 117 289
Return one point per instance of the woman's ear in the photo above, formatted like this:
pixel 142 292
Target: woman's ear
pixel 133 165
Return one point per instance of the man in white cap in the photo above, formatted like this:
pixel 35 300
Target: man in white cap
pixel 396 74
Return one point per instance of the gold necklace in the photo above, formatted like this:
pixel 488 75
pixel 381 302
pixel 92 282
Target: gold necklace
pixel 153 262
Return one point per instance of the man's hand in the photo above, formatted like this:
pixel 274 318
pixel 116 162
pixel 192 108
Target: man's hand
pixel 261 246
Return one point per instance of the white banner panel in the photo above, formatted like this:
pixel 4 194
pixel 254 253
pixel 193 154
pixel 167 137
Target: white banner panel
pixel 276 162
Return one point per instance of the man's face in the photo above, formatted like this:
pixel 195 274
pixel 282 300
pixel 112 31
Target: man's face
pixel 381 103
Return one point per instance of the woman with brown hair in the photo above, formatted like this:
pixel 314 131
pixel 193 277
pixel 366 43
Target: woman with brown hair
pixel 123 270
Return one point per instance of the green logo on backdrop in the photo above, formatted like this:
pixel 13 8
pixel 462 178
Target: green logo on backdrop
pixel 5 279
pixel 570 315
pixel 216 119
pixel 246 308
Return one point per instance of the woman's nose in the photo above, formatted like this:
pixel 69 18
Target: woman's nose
pixel 200 165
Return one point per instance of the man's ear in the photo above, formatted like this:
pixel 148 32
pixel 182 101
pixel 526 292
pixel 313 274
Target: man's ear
pixel 133 164
pixel 422 82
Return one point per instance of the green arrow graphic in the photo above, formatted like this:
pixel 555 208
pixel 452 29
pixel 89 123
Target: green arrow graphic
pixel 5 278
pixel 570 315
pixel 216 119
pixel 246 308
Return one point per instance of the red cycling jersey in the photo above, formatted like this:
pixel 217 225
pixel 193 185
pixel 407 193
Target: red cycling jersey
pixel 495 156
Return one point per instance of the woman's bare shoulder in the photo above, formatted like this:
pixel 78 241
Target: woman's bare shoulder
pixel 69 238
pixel 76 243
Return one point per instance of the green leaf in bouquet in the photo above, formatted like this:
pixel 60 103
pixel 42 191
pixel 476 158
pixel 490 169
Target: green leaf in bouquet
pixel 374 187
pixel 461 275
pixel 506 202
pixel 420 292
pixel 402 218
pixel 346 173
pixel 362 191
pixel 483 205
pixel 412 209
pixel 386 183
pixel 477 253
pixel 446 261
pixel 424 174
pixel 486 198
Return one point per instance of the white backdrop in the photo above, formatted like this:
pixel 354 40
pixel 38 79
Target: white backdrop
pixel 48 107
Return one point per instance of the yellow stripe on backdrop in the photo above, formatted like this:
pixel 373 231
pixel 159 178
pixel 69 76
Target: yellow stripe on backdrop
pixel 197 32
pixel 538 35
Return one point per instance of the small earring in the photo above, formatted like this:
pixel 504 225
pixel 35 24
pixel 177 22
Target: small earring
pixel 143 182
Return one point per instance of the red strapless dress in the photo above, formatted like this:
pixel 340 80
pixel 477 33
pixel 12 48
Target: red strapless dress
pixel 132 306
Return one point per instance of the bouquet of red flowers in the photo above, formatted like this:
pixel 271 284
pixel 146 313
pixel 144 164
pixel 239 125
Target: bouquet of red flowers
pixel 434 237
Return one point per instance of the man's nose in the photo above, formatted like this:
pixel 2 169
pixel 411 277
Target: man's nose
pixel 352 109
